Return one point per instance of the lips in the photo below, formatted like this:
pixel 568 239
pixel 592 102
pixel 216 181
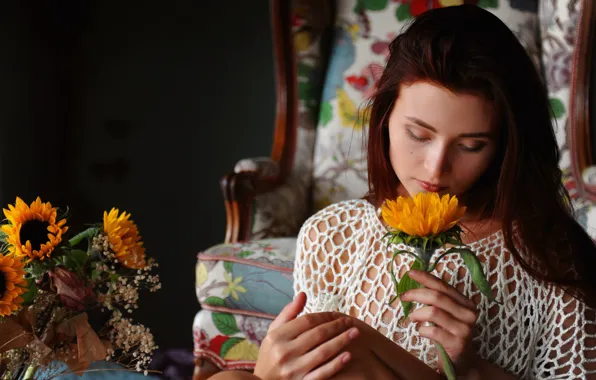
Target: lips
pixel 431 187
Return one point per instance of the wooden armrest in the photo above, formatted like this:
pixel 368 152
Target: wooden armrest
pixel 239 191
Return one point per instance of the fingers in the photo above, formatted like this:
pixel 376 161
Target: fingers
pixel 324 352
pixel 432 282
pixel 290 312
pixel 442 301
pixel 329 369
pixel 442 336
pixel 442 319
pixel 296 327
pixel 320 334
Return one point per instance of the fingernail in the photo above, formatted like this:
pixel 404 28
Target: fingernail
pixel 345 357
pixel 353 333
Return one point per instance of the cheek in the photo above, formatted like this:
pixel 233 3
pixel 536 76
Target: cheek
pixel 471 167
pixel 401 152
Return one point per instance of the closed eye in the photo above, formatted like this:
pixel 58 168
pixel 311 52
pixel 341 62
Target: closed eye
pixel 473 149
pixel 414 137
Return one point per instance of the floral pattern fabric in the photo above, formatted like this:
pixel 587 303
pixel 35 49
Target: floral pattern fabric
pixel 241 288
pixel 252 278
pixel 229 341
pixel 558 28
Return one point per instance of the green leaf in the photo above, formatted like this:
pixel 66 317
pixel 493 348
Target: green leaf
pixel 114 277
pixel 228 345
pixel 228 266
pixel 36 269
pixel 406 283
pixel 245 253
pixel 326 113
pixel 434 265
pixel 78 256
pixel 214 301
pixel 374 5
pixel 29 295
pixel 392 274
pixel 67 262
pixel 359 6
pixel 395 286
pixel 225 323
pixel 402 13
pixel 475 268
pixel 558 107
pixel 95 274
pixel 403 251
pixel 488 3
pixel 304 70
pixel 304 90
pixel 87 234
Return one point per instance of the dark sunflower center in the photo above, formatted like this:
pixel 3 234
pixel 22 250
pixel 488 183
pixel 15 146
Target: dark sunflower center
pixel 2 284
pixel 36 231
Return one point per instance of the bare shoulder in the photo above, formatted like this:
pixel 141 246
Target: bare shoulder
pixel 331 235
pixel 327 245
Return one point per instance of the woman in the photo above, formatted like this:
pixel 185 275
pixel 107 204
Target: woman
pixel 460 109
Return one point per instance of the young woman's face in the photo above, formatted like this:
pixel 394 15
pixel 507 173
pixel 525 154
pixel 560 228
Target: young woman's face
pixel 440 141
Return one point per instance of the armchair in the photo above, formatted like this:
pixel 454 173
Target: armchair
pixel 328 55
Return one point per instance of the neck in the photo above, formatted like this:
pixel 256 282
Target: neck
pixel 476 228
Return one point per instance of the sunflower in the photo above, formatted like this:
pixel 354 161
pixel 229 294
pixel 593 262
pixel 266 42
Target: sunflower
pixel 125 241
pixel 32 230
pixel 12 283
pixel 425 214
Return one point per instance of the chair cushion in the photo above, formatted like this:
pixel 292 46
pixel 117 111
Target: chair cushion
pixel 253 278
pixel 229 341
pixel 362 33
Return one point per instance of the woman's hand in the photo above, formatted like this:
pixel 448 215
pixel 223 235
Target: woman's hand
pixel 310 347
pixel 452 314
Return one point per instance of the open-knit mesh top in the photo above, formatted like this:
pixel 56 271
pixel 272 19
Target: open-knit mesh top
pixel 538 331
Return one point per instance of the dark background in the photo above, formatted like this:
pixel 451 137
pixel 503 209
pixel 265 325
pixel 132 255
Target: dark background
pixel 139 105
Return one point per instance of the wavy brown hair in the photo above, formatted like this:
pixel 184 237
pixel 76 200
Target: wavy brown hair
pixel 468 50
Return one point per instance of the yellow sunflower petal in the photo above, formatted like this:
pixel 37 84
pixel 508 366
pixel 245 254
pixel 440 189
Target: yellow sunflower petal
pixel 12 273
pixel 423 215
pixel 123 235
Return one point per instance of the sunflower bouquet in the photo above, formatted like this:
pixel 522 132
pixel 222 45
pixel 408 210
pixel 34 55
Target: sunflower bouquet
pixel 64 297
pixel 427 223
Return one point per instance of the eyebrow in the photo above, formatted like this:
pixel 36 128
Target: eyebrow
pixel 425 125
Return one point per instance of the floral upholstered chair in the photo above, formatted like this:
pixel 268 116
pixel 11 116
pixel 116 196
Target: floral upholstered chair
pixel 328 56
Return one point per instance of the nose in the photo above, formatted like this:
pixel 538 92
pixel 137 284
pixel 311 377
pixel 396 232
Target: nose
pixel 437 163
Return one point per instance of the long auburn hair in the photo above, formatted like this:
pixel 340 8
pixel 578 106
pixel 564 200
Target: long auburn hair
pixel 468 50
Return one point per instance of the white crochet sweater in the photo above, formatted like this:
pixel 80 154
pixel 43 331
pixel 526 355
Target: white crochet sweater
pixel 537 333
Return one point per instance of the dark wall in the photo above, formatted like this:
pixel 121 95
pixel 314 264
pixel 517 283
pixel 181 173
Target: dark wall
pixel 142 106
